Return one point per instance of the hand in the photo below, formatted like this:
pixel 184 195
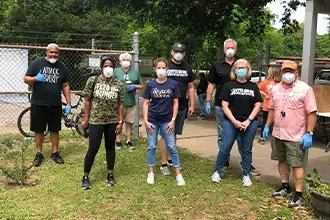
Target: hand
pixel 131 87
pixel 84 124
pixel 208 108
pixel 40 77
pixel 265 132
pixel 119 128
pixel 246 124
pixel 267 96
pixel 191 110
pixel 307 141
pixel 149 127
pixel 238 125
pixel 170 127
pixel 67 109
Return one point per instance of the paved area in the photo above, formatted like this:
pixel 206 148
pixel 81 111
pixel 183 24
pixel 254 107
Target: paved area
pixel 200 137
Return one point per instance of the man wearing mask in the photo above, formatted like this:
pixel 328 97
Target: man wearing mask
pixel 48 77
pixel 217 77
pixel 180 71
pixel 292 111
pixel 131 80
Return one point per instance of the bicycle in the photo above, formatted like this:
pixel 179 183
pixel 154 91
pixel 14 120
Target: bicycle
pixel 72 120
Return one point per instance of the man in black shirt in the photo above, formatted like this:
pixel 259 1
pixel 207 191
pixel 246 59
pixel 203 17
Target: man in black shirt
pixel 48 78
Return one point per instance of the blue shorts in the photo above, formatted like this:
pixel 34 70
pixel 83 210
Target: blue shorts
pixel 179 121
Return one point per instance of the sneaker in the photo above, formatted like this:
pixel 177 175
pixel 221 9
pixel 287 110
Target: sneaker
pixel 261 141
pixel 216 177
pixel 281 192
pixel 118 145
pixel 129 145
pixel 254 171
pixel 111 180
pixel 151 178
pixel 57 158
pixel 85 183
pixel 296 202
pixel 247 181
pixel 169 163
pixel 226 166
pixel 38 159
pixel 165 171
pixel 180 180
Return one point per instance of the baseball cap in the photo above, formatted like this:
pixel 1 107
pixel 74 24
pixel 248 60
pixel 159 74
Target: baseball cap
pixel 288 64
pixel 178 47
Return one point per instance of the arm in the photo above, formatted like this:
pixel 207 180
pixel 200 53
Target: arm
pixel 66 92
pixel 311 121
pixel 255 110
pixel 145 116
pixel 87 109
pixel 191 93
pixel 209 91
pixel 119 127
pixel 226 110
pixel 270 118
pixel 29 79
pixel 171 125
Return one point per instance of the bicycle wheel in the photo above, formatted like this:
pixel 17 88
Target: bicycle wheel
pixel 78 125
pixel 23 123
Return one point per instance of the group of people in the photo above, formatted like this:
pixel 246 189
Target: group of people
pixel 288 104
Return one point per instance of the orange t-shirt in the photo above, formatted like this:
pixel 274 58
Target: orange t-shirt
pixel 266 87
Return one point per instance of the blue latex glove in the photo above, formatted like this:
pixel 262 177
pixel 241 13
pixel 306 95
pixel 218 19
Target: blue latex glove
pixel 40 77
pixel 208 108
pixel 265 132
pixel 131 87
pixel 67 109
pixel 307 141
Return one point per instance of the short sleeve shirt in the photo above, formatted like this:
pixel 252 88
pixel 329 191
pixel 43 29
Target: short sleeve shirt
pixel 266 87
pixel 241 97
pixel 161 97
pixel 48 93
pixel 107 97
pixel 297 101
pixel 127 78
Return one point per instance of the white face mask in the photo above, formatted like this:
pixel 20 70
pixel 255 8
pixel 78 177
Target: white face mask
pixel 230 53
pixel 288 77
pixel 108 72
pixel 125 64
pixel 161 73
pixel 52 60
pixel 178 56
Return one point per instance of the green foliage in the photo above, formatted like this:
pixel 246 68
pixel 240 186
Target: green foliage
pixel 13 163
pixel 315 182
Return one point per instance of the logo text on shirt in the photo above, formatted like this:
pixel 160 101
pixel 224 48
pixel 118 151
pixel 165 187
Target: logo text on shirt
pixel 240 91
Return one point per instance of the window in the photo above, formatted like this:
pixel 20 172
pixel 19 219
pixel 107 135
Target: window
pixel 324 75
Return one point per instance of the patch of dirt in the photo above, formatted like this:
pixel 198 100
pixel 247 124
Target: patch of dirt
pixel 30 182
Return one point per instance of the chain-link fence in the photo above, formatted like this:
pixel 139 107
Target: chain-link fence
pixel 14 61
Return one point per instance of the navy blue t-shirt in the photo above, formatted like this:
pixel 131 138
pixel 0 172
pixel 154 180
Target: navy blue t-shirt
pixel 161 97
pixel 48 93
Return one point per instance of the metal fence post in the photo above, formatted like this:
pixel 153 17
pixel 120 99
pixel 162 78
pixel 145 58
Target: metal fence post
pixel 136 62
pixel 261 61
pixel 267 57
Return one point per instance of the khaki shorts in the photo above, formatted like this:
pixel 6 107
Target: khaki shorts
pixel 129 114
pixel 290 152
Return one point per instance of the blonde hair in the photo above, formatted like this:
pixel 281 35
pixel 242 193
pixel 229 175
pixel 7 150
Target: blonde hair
pixel 248 66
pixel 125 55
pixel 274 73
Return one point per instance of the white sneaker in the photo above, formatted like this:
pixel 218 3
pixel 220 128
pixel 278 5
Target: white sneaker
pixel 165 171
pixel 216 177
pixel 180 180
pixel 151 178
pixel 247 181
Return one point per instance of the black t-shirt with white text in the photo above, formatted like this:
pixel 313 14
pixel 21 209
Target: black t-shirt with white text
pixel 48 93
pixel 241 98
pixel 182 74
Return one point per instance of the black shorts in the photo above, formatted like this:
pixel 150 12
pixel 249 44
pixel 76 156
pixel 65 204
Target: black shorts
pixel 43 117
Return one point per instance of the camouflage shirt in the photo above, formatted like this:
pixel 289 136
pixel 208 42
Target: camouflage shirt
pixel 107 97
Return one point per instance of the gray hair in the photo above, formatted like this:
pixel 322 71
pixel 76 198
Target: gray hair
pixel 52 45
pixel 229 41
pixel 125 55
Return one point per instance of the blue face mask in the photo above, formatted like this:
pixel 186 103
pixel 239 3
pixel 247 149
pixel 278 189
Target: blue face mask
pixel 241 73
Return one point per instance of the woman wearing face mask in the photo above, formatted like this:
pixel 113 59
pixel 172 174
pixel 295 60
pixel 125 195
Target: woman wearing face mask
pixel 241 101
pixel 104 115
pixel 160 109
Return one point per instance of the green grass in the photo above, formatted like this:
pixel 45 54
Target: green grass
pixel 57 194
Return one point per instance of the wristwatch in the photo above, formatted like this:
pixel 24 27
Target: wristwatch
pixel 120 122
pixel 250 119
pixel 309 132
pixel 173 119
pixel 207 101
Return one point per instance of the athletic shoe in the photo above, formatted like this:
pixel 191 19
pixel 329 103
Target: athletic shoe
pixel 216 177
pixel 57 158
pixel 129 145
pixel 180 180
pixel 38 159
pixel 111 180
pixel 118 145
pixel 247 181
pixel 282 192
pixel 85 183
pixel 165 171
pixel 169 163
pixel 261 141
pixel 296 202
pixel 151 178
pixel 254 171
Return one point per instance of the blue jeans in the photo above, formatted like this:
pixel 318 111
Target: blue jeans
pixel 229 135
pixel 152 139
pixel 219 118
pixel 201 99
